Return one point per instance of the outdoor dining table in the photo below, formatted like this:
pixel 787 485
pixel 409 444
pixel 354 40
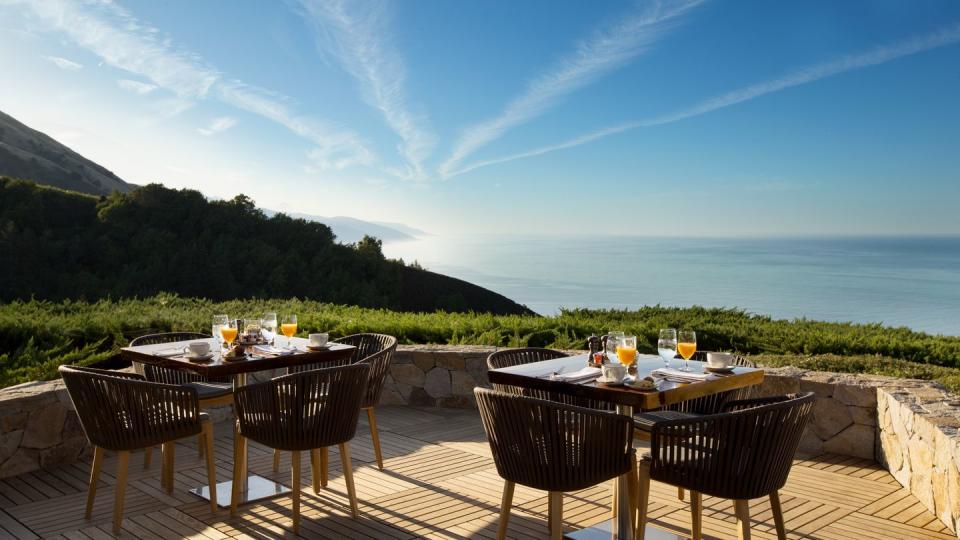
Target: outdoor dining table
pixel 257 487
pixel 538 376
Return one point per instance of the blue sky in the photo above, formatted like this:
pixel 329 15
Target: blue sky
pixel 649 118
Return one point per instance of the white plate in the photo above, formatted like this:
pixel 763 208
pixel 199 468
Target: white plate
pixel 200 358
pixel 318 347
pixel 611 382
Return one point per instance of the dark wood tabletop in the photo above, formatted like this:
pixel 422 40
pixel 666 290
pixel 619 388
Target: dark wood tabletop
pixel 218 367
pixel 536 375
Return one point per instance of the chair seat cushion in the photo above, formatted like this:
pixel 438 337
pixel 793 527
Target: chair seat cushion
pixel 207 390
pixel 645 421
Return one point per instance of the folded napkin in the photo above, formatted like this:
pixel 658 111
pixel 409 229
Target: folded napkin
pixel 672 374
pixel 582 375
pixel 167 353
pixel 270 349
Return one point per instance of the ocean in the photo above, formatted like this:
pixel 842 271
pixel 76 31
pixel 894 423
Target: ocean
pixel 897 281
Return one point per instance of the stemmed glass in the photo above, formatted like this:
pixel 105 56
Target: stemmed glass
pixel 289 327
pixel 219 321
pixel 627 351
pixel 613 338
pixel 667 345
pixel 228 332
pixel 268 327
pixel 686 346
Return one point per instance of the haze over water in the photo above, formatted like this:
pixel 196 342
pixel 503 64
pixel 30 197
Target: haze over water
pixel 898 281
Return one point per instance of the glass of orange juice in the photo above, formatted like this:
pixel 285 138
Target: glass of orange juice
pixel 288 327
pixel 627 350
pixel 228 331
pixel 686 346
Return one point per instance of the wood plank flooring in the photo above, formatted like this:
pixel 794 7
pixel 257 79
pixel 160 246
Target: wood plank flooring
pixel 438 482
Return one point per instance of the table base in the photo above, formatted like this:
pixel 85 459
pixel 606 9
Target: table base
pixel 258 489
pixel 604 531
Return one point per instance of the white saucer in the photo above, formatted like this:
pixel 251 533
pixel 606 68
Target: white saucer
pixel 709 369
pixel 609 382
pixel 318 347
pixel 200 358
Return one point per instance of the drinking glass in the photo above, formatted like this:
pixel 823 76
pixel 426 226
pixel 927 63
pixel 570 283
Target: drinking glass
pixel 613 337
pixel 268 327
pixel 228 332
pixel 627 350
pixel 218 322
pixel 251 327
pixel 667 345
pixel 686 346
pixel 289 327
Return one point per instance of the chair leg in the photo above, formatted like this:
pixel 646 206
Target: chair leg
pixel 147 457
pixel 505 504
pixel 643 498
pixel 556 515
pixel 632 482
pixel 375 435
pixel 778 516
pixel 324 465
pixel 348 476
pixel 680 493
pixel 94 478
pixel 123 460
pixel 276 460
pixel 207 445
pixel 742 509
pixel 295 487
pixel 614 500
pixel 168 449
pixel 315 469
pixel 238 456
pixel 696 510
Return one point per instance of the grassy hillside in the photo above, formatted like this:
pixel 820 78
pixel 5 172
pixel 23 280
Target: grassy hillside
pixel 58 245
pixel 37 336
pixel 28 153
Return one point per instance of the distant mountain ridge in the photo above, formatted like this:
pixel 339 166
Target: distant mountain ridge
pixel 351 230
pixel 28 153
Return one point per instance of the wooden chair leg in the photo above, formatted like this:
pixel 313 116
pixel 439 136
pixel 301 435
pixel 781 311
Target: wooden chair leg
pixel 348 477
pixel 375 435
pixel 614 500
pixel 238 456
pixel 556 515
pixel 505 505
pixel 778 516
pixel 315 469
pixel 147 457
pixel 94 478
pixel 276 460
pixel 696 510
pixel 324 465
pixel 632 481
pixel 680 493
pixel 207 444
pixel 643 498
pixel 295 487
pixel 169 451
pixel 123 460
pixel 742 509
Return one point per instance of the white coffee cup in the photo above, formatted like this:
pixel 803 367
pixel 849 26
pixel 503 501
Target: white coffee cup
pixel 613 372
pixel 719 360
pixel 198 348
pixel 318 340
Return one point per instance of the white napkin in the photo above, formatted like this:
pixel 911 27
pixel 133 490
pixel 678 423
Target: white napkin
pixel 167 353
pixel 585 374
pixel 270 349
pixel 672 374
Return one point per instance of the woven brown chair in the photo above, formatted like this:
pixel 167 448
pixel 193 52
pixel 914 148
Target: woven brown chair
pixel 375 350
pixel 301 412
pixel 212 392
pixel 742 453
pixel 554 447
pixel 528 355
pixel 123 412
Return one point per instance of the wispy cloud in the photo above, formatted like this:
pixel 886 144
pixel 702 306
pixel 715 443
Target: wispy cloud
pixel 124 42
pixel 218 125
pixel 608 49
pixel 63 63
pixel 357 35
pixel 945 36
pixel 136 87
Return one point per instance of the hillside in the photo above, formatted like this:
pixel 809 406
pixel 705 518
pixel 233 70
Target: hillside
pixel 28 153
pixel 57 244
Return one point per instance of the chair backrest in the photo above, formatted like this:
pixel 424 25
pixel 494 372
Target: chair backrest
pixel 528 355
pixel 375 350
pixel 122 411
pixel 713 403
pixel 743 454
pixel 302 411
pixel 551 446
pixel 166 375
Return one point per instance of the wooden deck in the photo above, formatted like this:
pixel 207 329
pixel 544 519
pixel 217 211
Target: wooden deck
pixel 438 482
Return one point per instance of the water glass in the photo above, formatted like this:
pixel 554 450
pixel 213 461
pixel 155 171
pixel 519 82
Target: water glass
pixel 610 346
pixel 268 327
pixel 667 345
pixel 219 321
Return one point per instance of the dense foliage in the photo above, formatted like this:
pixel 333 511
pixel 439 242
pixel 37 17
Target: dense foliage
pixel 37 336
pixel 58 245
